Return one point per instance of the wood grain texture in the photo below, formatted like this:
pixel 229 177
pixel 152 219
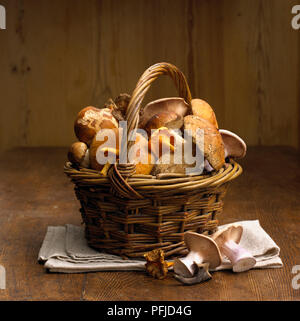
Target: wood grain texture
pixel 59 56
pixel 34 193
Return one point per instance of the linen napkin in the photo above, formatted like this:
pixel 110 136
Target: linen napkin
pixel 65 250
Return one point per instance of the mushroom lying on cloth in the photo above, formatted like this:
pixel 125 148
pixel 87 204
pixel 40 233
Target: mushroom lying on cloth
pixel 202 249
pixel 227 240
pixel 213 144
pixel 201 274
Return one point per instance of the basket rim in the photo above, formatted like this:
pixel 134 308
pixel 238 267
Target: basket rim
pixel 149 184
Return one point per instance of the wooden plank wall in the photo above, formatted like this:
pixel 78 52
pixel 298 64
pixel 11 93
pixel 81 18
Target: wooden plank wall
pixel 61 55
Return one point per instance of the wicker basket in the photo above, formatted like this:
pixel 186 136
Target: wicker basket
pixel 128 214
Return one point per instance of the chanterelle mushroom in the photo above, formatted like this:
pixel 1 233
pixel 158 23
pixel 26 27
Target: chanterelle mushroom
pixel 227 240
pixel 234 145
pixel 202 249
pixel 173 104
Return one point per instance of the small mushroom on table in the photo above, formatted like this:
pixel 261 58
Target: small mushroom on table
pixel 228 241
pixel 202 249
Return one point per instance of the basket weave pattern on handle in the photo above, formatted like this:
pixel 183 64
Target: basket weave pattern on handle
pixel 128 214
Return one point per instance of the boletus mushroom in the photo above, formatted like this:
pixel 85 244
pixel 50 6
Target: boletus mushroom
pixel 227 239
pixel 79 154
pixel 213 144
pixel 202 109
pixel 90 120
pixel 202 249
pixel 173 104
pixel 234 145
pixel 164 119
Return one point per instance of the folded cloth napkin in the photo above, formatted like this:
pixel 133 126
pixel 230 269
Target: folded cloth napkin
pixel 65 250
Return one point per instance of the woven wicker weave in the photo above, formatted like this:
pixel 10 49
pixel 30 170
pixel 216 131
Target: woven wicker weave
pixel 128 214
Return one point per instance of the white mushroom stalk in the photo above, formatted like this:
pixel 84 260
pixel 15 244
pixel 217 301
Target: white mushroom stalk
pixel 186 266
pixel 240 258
pixel 227 241
pixel 202 249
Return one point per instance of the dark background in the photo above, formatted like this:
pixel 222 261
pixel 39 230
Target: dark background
pixel 59 56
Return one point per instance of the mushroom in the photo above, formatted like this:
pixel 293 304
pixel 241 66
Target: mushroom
pixel 234 145
pixel 156 265
pixel 202 249
pixel 173 104
pixel 90 120
pixel 164 119
pixel 227 239
pixel 202 109
pixel 105 141
pixel 201 274
pixel 79 154
pixel 142 165
pixel 162 140
pixel 115 110
pixel 122 102
pixel 207 166
pixel 213 144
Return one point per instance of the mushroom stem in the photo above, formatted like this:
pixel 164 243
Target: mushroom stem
pixel 186 266
pixel 240 258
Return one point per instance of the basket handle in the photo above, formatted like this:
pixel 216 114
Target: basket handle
pixel 143 85
pixel 119 173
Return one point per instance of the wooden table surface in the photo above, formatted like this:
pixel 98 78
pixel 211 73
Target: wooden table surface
pixel 35 193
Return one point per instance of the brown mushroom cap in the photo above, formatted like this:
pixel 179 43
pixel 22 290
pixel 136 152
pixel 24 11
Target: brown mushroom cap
pixel 90 120
pixel 164 119
pixel 234 145
pixel 77 152
pixel 98 141
pixel 173 104
pixel 213 144
pixel 205 246
pixel 231 233
pixel 202 109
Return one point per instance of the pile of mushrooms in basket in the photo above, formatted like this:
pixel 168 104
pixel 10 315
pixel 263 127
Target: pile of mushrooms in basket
pixel 162 121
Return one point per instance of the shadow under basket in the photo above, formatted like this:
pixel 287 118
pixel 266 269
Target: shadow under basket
pixel 128 214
